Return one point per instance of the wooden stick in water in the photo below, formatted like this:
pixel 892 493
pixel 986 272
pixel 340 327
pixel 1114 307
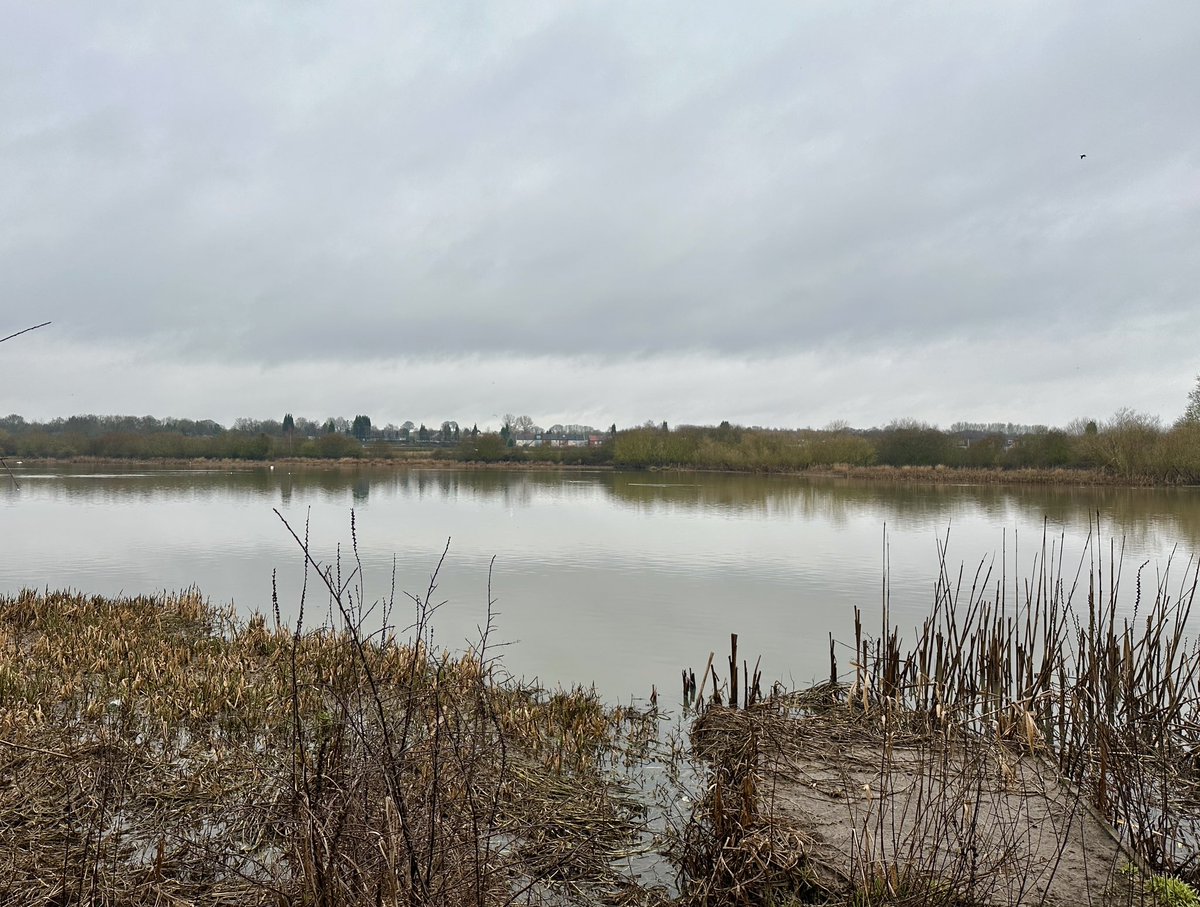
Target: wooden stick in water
pixel 704 679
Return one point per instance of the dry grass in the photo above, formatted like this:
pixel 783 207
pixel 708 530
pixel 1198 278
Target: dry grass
pixel 1069 662
pixel 733 846
pixel 157 750
pixel 1037 736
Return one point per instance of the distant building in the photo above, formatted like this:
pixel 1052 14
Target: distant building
pixel 554 439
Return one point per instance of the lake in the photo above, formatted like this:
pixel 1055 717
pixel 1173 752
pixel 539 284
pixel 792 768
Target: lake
pixel 616 579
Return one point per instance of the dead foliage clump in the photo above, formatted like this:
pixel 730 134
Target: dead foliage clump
pixel 158 750
pixel 733 847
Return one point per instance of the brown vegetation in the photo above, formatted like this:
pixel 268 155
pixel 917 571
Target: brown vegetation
pixel 1034 744
pixel 1130 448
pixel 159 750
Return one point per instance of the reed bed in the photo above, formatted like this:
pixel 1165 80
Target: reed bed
pixel 733 845
pixel 1035 742
pixel 807 798
pixel 158 750
pixel 1068 663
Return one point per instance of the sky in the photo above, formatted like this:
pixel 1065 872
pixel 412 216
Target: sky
pixel 777 213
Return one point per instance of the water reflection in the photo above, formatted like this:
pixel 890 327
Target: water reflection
pixel 1139 514
pixel 616 577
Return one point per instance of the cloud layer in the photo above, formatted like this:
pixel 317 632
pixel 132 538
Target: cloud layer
pixel 668 207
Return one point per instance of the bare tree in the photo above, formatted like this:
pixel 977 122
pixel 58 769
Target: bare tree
pixel 524 424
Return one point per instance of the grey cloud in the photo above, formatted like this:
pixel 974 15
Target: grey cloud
pixel 276 182
pixel 1049 376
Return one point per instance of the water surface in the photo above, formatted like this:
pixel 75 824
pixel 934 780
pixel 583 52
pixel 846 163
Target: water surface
pixel 614 578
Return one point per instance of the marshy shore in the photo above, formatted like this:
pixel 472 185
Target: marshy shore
pixel 1032 745
pixel 158 750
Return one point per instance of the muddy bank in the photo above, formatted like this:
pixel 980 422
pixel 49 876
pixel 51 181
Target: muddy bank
pixel 1029 744
pixel 812 800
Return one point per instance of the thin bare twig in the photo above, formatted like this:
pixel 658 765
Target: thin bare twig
pixel 25 331
pixel 34 749
pixel 16 484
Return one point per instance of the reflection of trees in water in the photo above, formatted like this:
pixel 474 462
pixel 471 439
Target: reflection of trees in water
pixel 514 489
pixel 1145 517
pixel 146 485
pixel 114 485
pixel 296 485
pixel 1139 514
pixel 360 491
pixel 782 496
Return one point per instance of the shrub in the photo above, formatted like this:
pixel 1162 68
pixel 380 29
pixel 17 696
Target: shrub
pixel 909 443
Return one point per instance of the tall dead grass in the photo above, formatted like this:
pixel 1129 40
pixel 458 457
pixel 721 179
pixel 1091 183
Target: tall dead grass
pixel 1035 737
pixel 159 750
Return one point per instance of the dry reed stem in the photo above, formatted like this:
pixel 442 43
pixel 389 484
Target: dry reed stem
pixel 159 750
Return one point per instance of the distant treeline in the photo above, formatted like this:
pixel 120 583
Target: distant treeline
pixel 150 438
pixel 1129 445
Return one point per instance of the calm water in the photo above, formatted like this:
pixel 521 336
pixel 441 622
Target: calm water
pixel 616 579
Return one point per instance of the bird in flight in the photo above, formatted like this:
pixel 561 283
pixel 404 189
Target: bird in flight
pixel 1082 156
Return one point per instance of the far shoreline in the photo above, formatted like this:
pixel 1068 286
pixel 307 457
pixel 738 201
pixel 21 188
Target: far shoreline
pixel 916 475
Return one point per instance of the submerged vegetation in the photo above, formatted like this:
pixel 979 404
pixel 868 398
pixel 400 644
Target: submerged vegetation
pixel 159 750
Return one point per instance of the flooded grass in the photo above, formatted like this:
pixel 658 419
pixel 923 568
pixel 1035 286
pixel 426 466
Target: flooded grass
pixel 159 750
pixel 1034 743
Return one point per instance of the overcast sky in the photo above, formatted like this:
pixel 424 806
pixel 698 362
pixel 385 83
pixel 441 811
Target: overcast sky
pixel 772 213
